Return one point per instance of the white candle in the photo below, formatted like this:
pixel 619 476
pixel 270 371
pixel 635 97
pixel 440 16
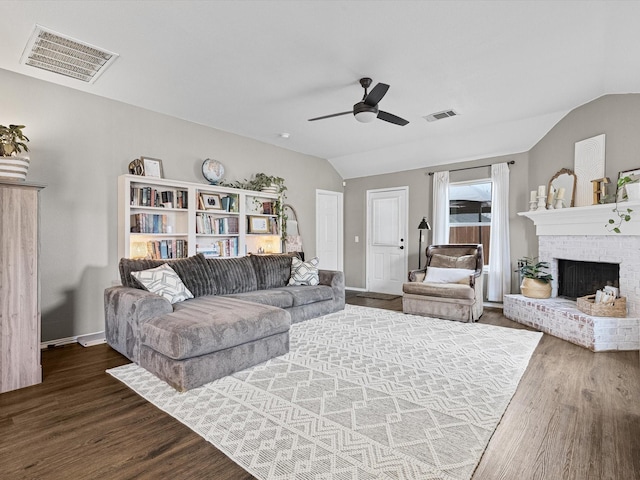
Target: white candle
pixel 541 190
pixel 560 195
pixel 533 196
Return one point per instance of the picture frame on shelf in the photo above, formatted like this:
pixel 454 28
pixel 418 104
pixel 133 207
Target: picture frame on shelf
pixel 258 224
pixel 634 174
pixel 152 167
pixel 210 201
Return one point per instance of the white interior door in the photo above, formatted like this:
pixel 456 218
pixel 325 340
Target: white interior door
pixel 387 240
pixel 329 231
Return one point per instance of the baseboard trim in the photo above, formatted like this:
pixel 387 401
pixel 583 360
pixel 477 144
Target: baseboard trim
pixel 356 289
pixel 84 340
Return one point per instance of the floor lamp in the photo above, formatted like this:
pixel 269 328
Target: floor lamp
pixel 424 225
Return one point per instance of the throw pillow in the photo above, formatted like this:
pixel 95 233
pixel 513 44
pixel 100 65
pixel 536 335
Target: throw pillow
pixel 163 281
pixel 448 261
pixel 304 273
pixel 448 275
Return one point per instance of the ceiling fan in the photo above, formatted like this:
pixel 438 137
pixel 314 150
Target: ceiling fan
pixel 367 110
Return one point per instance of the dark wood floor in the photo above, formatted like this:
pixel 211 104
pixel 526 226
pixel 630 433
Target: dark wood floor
pixel 575 416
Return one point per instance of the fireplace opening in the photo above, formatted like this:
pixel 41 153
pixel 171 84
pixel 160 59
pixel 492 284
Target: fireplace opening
pixel 577 279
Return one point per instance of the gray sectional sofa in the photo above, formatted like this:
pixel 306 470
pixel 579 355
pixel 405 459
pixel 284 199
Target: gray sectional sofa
pixel 240 315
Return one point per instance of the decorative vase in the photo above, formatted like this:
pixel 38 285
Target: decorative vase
pixel 14 169
pixel 534 288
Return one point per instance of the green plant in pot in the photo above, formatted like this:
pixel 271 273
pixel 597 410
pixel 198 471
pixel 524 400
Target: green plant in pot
pixel 536 280
pixel 622 215
pixel 13 166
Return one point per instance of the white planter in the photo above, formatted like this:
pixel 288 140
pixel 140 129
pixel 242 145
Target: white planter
pixel 633 191
pixel 14 169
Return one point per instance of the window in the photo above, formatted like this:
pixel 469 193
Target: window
pixel 470 214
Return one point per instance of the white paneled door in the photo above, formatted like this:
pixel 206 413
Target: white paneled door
pixel 387 240
pixel 329 231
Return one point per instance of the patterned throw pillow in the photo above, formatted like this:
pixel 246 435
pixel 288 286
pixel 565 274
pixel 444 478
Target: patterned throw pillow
pixel 163 281
pixel 304 273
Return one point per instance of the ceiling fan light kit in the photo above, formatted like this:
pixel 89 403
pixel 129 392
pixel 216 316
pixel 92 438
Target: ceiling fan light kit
pixel 366 110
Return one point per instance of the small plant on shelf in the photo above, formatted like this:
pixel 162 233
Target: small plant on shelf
pixel 623 215
pixel 536 280
pixel 12 140
pixel 258 182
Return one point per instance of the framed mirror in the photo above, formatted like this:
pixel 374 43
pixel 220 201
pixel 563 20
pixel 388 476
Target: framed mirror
pixel 565 179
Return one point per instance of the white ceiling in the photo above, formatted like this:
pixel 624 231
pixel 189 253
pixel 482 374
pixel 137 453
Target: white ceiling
pixel 259 68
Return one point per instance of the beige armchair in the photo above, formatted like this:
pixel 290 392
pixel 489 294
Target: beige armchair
pixel 453 288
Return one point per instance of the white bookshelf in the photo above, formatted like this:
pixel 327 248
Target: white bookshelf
pixel 205 225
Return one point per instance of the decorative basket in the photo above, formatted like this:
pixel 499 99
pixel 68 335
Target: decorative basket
pixel 616 309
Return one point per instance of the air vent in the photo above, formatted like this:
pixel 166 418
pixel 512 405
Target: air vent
pixel 58 53
pixel 440 115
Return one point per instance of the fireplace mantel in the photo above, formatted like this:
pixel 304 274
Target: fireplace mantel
pixel 590 220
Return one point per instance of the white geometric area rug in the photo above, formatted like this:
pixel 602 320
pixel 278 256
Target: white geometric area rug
pixel 363 394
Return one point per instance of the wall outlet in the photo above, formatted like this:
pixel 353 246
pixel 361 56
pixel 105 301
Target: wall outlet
pixel 357 239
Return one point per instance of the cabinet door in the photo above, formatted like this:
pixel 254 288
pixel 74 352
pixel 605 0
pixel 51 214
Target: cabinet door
pixel 19 309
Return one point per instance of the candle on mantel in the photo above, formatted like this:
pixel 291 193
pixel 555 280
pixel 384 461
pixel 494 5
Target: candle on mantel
pixel 533 196
pixel 560 195
pixel 541 190
pixel 550 197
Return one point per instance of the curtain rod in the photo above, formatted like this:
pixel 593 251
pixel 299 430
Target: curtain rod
pixel 478 166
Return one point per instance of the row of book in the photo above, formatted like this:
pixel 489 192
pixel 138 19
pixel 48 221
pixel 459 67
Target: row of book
pixel 227 247
pixel 167 249
pixel 148 223
pixel 211 224
pixel 151 197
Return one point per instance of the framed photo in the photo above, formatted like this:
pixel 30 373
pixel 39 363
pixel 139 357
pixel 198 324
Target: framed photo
pixel 152 167
pixel 211 201
pixel 258 224
pixel 634 174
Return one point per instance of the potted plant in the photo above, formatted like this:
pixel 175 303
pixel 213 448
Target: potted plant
pixel 629 185
pixel 13 166
pixel 536 280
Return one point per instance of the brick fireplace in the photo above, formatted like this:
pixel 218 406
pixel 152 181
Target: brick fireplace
pixel 580 234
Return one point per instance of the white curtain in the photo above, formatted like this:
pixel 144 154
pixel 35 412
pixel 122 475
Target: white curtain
pixel 499 283
pixel 441 208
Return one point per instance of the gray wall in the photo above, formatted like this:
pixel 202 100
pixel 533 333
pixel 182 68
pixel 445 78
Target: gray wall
pixel 80 143
pixel 420 183
pixel 617 116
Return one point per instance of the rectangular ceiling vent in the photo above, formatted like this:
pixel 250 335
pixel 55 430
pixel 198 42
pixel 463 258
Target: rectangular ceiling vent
pixel 67 56
pixel 440 115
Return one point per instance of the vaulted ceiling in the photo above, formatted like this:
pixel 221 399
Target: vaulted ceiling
pixel 511 70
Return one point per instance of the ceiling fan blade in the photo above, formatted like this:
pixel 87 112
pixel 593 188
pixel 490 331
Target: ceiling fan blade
pixel 389 117
pixel 329 116
pixel 376 94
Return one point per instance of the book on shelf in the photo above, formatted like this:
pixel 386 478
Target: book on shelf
pixel 216 225
pixel 148 223
pixel 166 249
pixel 227 247
pixel 152 197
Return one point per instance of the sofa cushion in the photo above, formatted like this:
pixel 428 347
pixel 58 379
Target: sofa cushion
pixel 211 323
pixel 274 297
pixel 272 271
pixel 447 261
pixel 194 272
pixel 163 281
pixel 232 275
pixel 305 295
pixel 443 290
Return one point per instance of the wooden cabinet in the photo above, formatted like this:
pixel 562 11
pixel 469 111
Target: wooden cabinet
pixel 161 218
pixel 19 287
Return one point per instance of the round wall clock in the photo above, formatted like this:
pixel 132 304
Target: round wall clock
pixel 212 170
